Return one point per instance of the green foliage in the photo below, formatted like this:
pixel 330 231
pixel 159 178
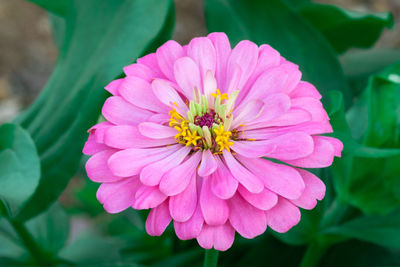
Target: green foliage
pixel 59 7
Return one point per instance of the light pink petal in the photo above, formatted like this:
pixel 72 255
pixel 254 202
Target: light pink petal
pixel 294 76
pixel 292 146
pixel 208 164
pixel 112 87
pixel 281 179
pixel 223 50
pixel 139 71
pixel 169 96
pixel 183 205
pixel 253 149
pixel 283 216
pixel 150 60
pixel 315 189
pixel 336 143
pixel 192 227
pixel 187 76
pixel 131 161
pixel 98 170
pixel 148 197
pixel 177 179
pixel 215 210
pixel 220 237
pixel 127 136
pixel 247 113
pixel 235 78
pixel 209 86
pixel 92 147
pixel 321 157
pixel 313 106
pixel 244 176
pixel 245 55
pixel 139 93
pixel 118 111
pixel 292 117
pixel 118 196
pixel 99 130
pixel 152 173
pixel 263 201
pixel 247 220
pixel 156 131
pixel 166 55
pixel 202 51
pixel 158 220
pixel 274 106
pixel 305 89
pixel 223 184
pixel 159 118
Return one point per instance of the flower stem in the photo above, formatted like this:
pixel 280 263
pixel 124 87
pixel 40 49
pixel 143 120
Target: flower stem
pixel 211 258
pixel 314 253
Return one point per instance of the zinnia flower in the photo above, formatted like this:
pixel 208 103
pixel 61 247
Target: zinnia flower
pixel 213 139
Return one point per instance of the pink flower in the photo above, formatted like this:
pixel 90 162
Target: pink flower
pixel 186 131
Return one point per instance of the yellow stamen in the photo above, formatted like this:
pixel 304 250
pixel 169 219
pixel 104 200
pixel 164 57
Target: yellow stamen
pixel 218 93
pixel 192 138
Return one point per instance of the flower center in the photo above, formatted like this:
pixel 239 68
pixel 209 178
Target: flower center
pixel 207 119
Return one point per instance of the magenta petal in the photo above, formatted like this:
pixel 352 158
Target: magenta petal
pixel 215 210
pixel 293 116
pixel 202 51
pixel 294 76
pixel 281 179
pixel 166 55
pixel 150 61
pixel 220 237
pixel 148 197
pixel 247 220
pixel 305 89
pixel 274 106
pixel 112 87
pixel 244 176
pixel 92 147
pixel 292 145
pixel 315 189
pixel 98 170
pixel 208 164
pixel 169 96
pixel 313 106
pixel 336 143
pixel 223 184
pixel 152 173
pixel 283 216
pixel 263 201
pixel 247 113
pixel 183 205
pixel 158 220
pixel 223 51
pixel 190 228
pixel 187 75
pixel 254 149
pixel 177 179
pixel 139 71
pixel 156 131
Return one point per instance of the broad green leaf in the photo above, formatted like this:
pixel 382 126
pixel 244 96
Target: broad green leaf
pixel 344 28
pixel 10 245
pixel 101 37
pixel 59 7
pixel 19 167
pixel 381 230
pixel 274 23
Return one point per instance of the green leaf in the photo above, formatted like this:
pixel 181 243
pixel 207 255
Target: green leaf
pixel 98 43
pixel 59 7
pixel 19 167
pixel 381 230
pixel 344 28
pixel 274 23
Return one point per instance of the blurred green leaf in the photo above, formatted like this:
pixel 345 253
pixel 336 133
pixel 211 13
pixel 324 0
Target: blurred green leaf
pixel 275 23
pixel 98 42
pixel 344 28
pixel 19 167
pixel 59 7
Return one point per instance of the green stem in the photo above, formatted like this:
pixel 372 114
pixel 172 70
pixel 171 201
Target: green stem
pixel 37 253
pixel 211 258
pixel 313 254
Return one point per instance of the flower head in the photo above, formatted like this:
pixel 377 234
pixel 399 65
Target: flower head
pixel 190 132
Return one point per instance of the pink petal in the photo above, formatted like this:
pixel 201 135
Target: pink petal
pixel 150 60
pixel 139 71
pixel 283 216
pixel 278 178
pixel 263 201
pixel 336 143
pixel 253 149
pixel 118 196
pixel 215 210
pixel 223 184
pixel 187 76
pixel 168 95
pixel 166 55
pixel 98 170
pixel 313 106
pixel 183 205
pixel 321 157
pixel 235 77
pixel 294 76
pixel 177 179
pixel 118 111
pixel 223 51
pixel 244 176
pixel 156 131
pixel 192 227
pixel 292 146
pixel 112 87
pixel 127 136
pixel 92 147
pixel 220 237
pixel 247 220
pixel 209 86
pixel 305 89
pixel 208 164
pixel 152 173
pixel 131 161
pixel 139 93
pixel 274 106
pixel 148 197
pixel 292 117
pixel 247 113
pixel 158 220
pixel 99 131
pixel 202 51
pixel 315 189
